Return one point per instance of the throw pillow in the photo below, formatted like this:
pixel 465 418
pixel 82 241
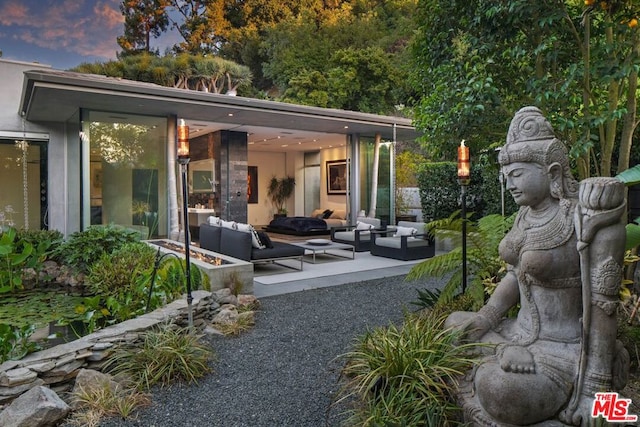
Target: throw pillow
pixel 227 224
pixel 214 220
pixel 405 231
pixel 363 226
pixel 326 214
pixel 248 228
pixel 265 239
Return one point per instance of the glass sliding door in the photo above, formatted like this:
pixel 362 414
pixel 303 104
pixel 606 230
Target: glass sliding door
pixel 311 182
pixel 23 193
pixel 125 171
pixel 366 179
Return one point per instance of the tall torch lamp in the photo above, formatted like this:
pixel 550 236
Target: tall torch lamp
pixel 183 160
pixel 464 178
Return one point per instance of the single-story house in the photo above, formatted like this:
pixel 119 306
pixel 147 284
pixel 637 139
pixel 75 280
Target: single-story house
pixel 80 149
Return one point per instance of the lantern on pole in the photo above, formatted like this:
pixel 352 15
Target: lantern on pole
pixel 464 178
pixel 183 160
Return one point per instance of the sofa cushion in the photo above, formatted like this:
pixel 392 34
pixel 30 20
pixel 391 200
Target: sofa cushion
pixel 236 244
pixel 350 236
pixel 396 242
pixel 420 226
pixel 279 250
pixel 214 220
pixel 210 237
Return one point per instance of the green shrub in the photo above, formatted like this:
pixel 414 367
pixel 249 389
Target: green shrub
pixel 407 375
pixel 114 273
pixel 440 191
pixel 165 355
pixel 84 248
pixel 121 284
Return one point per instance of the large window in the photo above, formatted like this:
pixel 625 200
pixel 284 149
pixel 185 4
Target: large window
pixel 23 193
pixel 367 151
pixel 125 179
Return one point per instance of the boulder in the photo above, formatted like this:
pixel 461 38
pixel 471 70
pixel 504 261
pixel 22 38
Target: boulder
pixel 39 407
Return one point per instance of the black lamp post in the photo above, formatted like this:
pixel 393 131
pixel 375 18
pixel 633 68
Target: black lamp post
pixel 183 159
pixel 464 177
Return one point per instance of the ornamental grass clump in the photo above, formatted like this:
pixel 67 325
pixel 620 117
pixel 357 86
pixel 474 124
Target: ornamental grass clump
pixel 93 404
pixel 406 375
pixel 165 355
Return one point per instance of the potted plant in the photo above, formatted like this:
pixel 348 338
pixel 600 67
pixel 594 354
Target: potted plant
pixel 279 191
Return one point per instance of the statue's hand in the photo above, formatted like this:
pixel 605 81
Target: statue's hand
pixel 476 327
pixel 517 360
pixel 581 413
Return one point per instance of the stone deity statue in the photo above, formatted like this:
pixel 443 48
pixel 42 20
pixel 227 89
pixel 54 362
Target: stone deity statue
pixel 564 256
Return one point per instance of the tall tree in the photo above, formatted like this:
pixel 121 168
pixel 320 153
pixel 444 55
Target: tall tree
pixel 142 20
pixel 574 59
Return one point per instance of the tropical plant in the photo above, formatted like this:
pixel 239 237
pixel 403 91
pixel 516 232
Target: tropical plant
pixel 83 248
pixel 22 250
pixel 13 258
pixel 279 191
pixel 484 265
pixel 406 375
pixel 15 343
pixel 163 356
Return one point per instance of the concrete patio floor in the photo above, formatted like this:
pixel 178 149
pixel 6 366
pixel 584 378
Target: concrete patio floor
pixel 270 280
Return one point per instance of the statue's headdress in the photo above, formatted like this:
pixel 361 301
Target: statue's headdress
pixel 532 139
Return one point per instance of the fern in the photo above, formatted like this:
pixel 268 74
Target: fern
pixel 483 262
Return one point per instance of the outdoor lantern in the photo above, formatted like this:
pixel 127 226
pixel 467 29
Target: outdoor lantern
pixel 464 164
pixel 183 159
pixel 183 142
pixel 464 177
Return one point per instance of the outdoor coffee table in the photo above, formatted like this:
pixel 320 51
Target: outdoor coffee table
pixel 323 245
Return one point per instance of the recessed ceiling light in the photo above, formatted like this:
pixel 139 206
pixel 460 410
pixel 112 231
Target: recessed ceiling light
pixel 230 114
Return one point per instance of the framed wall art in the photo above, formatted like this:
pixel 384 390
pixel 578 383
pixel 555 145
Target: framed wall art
pixel 252 184
pixel 337 177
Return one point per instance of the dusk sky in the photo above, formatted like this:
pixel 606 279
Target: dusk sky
pixel 61 33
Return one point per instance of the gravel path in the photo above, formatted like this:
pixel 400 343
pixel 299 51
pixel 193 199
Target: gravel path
pixel 284 372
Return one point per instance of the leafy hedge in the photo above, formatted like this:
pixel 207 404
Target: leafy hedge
pixel 440 190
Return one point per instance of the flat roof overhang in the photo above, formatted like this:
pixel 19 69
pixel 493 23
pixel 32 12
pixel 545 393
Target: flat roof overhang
pixel 55 96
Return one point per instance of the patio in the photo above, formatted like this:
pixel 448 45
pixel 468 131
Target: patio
pixel 270 280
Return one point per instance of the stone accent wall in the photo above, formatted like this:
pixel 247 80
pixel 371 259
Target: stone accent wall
pixel 231 148
pixel 57 367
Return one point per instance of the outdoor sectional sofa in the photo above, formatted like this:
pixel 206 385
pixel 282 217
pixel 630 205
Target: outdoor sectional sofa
pixel 240 244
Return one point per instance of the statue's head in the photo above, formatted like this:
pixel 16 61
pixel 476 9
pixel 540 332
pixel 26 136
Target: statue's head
pixel 531 139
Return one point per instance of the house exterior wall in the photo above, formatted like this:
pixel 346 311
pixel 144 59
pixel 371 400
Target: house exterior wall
pixel 65 191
